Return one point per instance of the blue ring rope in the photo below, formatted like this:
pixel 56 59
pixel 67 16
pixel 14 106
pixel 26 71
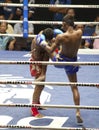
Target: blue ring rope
pixel 25 18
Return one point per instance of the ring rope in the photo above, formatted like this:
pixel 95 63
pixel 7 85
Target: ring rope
pixel 48 22
pixel 52 106
pixel 50 63
pixel 45 127
pixel 30 35
pixel 51 83
pixel 50 5
pixel 17 35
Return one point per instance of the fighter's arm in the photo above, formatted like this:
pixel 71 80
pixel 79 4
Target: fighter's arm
pixel 41 41
pixel 33 45
pixel 58 10
pixel 56 38
pixel 56 44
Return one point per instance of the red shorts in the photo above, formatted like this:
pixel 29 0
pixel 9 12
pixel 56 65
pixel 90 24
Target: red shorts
pixel 56 50
pixel 35 69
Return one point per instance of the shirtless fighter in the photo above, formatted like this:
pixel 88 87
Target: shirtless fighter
pixel 39 71
pixel 70 42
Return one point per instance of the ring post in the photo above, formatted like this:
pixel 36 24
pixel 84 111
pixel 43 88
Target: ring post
pixel 25 18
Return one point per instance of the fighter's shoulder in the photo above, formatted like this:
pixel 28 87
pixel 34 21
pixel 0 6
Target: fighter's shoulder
pixel 79 31
pixel 60 37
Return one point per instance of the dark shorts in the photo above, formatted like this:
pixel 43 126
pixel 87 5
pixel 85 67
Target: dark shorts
pixel 70 69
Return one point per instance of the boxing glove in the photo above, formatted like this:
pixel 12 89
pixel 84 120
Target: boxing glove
pixel 40 40
pixel 57 31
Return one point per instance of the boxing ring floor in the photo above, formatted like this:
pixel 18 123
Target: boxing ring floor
pixel 57 95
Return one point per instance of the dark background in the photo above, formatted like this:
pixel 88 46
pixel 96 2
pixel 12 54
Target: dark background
pixel 86 14
pixel 82 14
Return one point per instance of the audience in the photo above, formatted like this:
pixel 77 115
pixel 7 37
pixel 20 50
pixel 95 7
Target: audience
pixel 89 31
pixel 9 26
pixel 71 11
pixel 18 27
pixel 18 13
pixel 15 13
pixel 58 13
pixel 41 14
pixel 96 41
pixel 8 11
pixel 6 42
pixel 21 42
pixel 31 10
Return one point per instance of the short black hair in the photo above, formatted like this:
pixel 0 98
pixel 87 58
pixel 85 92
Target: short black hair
pixel 48 33
pixel 69 20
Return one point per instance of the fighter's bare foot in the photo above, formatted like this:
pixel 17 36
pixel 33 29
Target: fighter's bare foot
pixel 35 113
pixel 41 78
pixel 39 115
pixel 79 119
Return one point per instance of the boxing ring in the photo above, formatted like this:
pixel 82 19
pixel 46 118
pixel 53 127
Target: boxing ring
pixel 17 85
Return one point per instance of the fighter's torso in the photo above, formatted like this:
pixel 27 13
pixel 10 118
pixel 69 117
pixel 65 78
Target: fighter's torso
pixel 71 43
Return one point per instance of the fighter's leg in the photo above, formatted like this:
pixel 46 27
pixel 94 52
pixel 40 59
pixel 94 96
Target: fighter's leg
pixel 36 100
pixel 42 75
pixel 76 95
pixel 37 92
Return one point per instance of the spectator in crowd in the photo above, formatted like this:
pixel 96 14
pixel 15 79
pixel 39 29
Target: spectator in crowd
pixel 23 43
pixel 97 26
pixel 8 11
pixel 71 11
pixel 31 10
pixel 15 13
pixel 41 14
pixel 18 10
pixel 6 42
pixel 96 44
pixel 9 26
pixel 89 30
pixel 1 7
pixel 58 13
pixel 18 27
pixel 18 13
pixel 96 41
